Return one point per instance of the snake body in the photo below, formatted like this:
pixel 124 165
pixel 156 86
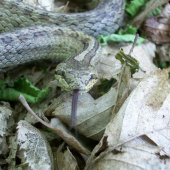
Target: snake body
pixel 31 34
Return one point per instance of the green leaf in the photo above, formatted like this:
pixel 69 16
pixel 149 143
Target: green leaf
pixel 103 40
pixel 155 12
pixel 105 85
pixel 22 86
pixel 129 29
pixel 134 6
pixel 130 61
pixel 127 34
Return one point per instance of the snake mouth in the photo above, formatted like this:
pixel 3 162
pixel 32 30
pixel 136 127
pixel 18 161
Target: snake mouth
pixel 62 83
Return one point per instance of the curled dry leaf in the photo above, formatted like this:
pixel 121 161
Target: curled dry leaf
pixel 92 115
pixel 37 151
pixel 158 28
pixel 137 154
pixel 145 112
pixel 65 159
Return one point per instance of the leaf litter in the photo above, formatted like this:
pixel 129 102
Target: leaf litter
pixel 138 125
pixel 144 113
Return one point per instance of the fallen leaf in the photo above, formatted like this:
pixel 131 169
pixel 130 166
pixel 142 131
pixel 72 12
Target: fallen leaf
pixel 137 154
pixel 5 113
pixel 145 112
pixel 57 126
pixel 134 6
pixel 37 151
pixel 65 159
pixel 163 52
pixel 12 152
pixel 23 86
pixel 157 27
pixel 92 115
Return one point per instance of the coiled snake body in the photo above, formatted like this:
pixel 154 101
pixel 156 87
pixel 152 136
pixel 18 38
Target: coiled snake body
pixel 32 34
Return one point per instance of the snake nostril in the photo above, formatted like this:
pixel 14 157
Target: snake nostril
pixel 61 73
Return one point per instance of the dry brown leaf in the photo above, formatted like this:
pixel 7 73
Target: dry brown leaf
pixel 163 52
pixel 158 28
pixel 57 126
pixel 65 159
pixel 92 115
pixel 137 154
pixel 145 112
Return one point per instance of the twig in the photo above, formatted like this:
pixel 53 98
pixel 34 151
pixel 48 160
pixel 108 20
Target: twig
pixel 25 104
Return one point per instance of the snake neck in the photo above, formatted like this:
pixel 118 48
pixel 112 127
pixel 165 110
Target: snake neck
pixel 103 20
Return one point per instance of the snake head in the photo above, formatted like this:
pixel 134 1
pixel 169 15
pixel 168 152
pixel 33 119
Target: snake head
pixel 72 75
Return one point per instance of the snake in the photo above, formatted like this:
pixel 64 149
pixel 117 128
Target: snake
pixel 28 34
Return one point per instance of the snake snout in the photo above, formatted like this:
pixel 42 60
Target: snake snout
pixel 70 78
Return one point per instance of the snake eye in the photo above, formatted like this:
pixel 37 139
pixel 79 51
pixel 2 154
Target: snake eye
pixel 61 73
pixel 93 76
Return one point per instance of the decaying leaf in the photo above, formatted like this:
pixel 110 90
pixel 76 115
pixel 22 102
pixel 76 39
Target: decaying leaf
pixel 65 159
pixel 4 115
pixel 37 151
pixel 12 154
pixel 145 112
pixel 92 115
pixel 57 126
pixel 3 146
pixel 163 52
pixel 158 28
pixel 137 154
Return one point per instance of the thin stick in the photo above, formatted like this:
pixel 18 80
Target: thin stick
pixel 134 44
pixel 25 104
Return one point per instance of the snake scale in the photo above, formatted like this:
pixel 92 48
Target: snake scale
pixel 29 34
